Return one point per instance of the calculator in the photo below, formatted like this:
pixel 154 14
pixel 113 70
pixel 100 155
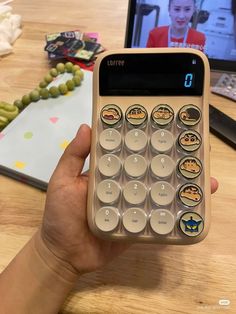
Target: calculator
pixel 149 164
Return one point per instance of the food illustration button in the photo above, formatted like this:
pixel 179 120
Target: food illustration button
pixel 108 191
pixel 162 193
pixel 190 140
pixel 191 224
pixel 136 140
pixel 162 115
pixel 134 220
pixel 190 115
pixel 135 192
pixel 190 194
pixel 162 141
pixel 162 221
pixel 107 218
pixel 162 166
pixel 109 165
pixel 190 167
pixel 135 166
pixel 110 139
pixel 111 114
pixel 136 115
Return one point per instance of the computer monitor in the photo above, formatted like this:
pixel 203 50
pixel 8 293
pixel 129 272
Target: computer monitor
pixel 210 27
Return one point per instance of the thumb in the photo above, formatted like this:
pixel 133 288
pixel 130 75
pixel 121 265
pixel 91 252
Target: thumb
pixel 72 161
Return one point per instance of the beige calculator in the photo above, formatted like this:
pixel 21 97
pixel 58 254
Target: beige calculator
pixel 149 164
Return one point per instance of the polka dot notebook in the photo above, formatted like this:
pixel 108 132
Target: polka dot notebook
pixel 31 145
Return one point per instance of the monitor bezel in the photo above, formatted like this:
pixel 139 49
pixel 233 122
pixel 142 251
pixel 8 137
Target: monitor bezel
pixel 215 64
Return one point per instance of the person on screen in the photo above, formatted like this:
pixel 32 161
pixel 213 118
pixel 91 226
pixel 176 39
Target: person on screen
pixel 178 33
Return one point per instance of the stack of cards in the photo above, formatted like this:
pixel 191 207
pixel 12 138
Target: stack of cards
pixel 75 46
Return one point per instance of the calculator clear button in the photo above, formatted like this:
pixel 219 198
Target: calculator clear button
pixel 162 141
pixel 108 191
pixel 162 193
pixel 110 139
pixel 136 140
pixel 162 221
pixel 107 218
pixel 109 165
pixel 190 115
pixel 162 166
pixel 134 220
pixel 135 192
pixel 135 166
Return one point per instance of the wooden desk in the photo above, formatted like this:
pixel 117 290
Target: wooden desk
pixel 147 278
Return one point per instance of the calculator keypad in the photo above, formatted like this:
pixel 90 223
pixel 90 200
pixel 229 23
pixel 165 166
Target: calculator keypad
pixel 149 171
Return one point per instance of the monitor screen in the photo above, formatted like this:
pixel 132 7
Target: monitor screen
pixel 206 25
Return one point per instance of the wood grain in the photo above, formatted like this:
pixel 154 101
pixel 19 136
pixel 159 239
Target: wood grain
pixel 147 278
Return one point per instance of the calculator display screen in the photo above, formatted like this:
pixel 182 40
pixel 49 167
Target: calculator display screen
pixel 151 74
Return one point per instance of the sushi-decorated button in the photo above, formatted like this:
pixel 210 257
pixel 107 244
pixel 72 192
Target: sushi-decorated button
pixel 136 115
pixel 190 115
pixel 162 115
pixel 190 167
pixel 190 140
pixel 190 194
pixel 191 224
pixel 111 114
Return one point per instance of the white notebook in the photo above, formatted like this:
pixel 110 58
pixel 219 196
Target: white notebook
pixel 31 145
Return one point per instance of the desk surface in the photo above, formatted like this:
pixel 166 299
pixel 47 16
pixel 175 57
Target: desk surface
pixel 147 278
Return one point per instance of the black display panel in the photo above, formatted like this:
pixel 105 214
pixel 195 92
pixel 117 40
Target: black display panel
pixel 152 74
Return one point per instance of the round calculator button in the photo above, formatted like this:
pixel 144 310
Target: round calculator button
pixel 162 221
pixel 108 191
pixel 110 139
pixel 191 224
pixel 135 166
pixel 190 115
pixel 190 167
pixel 162 193
pixel 162 115
pixel 111 114
pixel 190 140
pixel 107 218
pixel 109 165
pixel 162 141
pixel 162 166
pixel 134 220
pixel 190 194
pixel 135 192
pixel 136 140
pixel 136 115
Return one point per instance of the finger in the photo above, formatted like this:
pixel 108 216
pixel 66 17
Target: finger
pixel 72 161
pixel 214 185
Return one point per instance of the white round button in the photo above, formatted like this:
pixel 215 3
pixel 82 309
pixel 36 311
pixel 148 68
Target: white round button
pixel 110 139
pixel 108 191
pixel 136 140
pixel 134 220
pixel 162 221
pixel 107 218
pixel 135 192
pixel 162 166
pixel 135 166
pixel 162 193
pixel 109 165
pixel 162 141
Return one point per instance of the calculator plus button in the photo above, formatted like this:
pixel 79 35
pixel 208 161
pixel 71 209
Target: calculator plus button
pixel 135 166
pixel 162 115
pixel 190 140
pixel 190 115
pixel 136 140
pixel 134 220
pixel 190 167
pixel 162 141
pixel 110 139
pixel 111 114
pixel 109 165
pixel 191 224
pixel 162 221
pixel 108 191
pixel 107 218
pixel 135 192
pixel 136 115
pixel 190 194
pixel 162 166
pixel 162 193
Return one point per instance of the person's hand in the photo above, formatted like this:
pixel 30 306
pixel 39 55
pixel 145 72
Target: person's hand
pixel 65 230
